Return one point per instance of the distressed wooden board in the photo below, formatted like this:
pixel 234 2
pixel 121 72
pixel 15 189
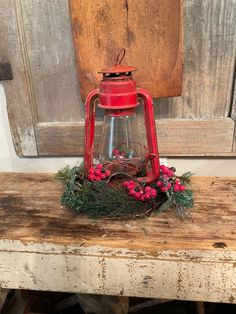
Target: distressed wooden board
pixel 52 61
pixel 44 246
pixel 233 110
pixel 151 278
pixel 175 137
pixel 19 90
pixel 150 31
pixel 209 62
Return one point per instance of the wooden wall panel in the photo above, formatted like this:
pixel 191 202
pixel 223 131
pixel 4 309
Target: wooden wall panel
pixel 52 60
pixel 150 31
pixel 43 101
pixel 18 91
pixel 233 109
pixel 209 61
pixel 176 137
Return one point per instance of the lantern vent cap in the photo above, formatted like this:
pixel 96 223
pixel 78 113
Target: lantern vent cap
pixel 118 69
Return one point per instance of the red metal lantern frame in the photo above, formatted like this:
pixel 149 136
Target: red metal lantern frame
pixel 117 92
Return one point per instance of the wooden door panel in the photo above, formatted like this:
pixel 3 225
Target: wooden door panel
pixel 46 114
pixel 176 137
pixel 209 60
pixel 18 91
pixel 51 59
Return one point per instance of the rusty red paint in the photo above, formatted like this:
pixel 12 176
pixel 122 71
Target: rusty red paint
pixel 117 93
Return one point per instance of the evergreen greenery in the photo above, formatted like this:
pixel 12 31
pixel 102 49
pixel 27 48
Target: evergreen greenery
pixel 108 199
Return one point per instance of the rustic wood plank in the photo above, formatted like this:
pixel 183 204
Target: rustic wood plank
pixel 44 246
pixel 175 137
pixel 52 60
pixel 19 93
pixel 209 62
pixel 40 218
pixel 233 109
pixel 151 32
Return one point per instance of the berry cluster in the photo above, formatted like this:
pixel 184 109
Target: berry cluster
pixel 178 187
pixel 166 173
pixel 98 173
pixel 138 192
pixel 117 153
pixel 167 180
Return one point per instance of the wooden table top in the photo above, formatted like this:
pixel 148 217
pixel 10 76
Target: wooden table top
pixel 30 211
pixel 45 246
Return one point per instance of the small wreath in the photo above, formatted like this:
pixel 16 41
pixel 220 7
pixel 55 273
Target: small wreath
pixel 101 194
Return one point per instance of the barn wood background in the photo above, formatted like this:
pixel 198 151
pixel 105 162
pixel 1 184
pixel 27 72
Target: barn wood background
pixel 45 109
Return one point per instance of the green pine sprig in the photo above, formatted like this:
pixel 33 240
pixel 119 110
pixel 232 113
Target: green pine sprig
pixel 105 199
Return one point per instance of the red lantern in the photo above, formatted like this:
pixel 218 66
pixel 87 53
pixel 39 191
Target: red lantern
pixel 120 148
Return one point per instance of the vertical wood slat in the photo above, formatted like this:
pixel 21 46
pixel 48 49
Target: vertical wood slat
pixel 18 91
pixel 52 60
pixel 209 58
pixel 233 109
pixel 151 32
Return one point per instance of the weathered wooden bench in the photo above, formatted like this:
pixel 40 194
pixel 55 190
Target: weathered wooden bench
pixel 44 246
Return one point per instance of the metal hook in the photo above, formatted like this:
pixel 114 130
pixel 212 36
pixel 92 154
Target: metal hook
pixel 120 56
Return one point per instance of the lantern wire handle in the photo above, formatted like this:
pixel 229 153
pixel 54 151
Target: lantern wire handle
pixel 120 56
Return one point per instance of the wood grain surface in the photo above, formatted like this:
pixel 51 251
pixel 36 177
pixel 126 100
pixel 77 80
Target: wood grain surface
pixel 175 137
pixel 44 246
pixel 30 211
pixel 150 31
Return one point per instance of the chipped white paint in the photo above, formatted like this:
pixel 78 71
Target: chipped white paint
pixel 185 275
pixel 27 141
pixel 214 256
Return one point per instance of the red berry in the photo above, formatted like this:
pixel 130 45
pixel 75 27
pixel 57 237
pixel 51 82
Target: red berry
pixel 159 183
pixel 99 166
pixel 91 177
pixel 96 178
pixel 138 195
pixel 164 189
pixel 132 192
pixel 97 172
pixel 182 188
pixel 143 198
pixel 103 176
pixel 107 173
pixel 176 188
pixel 148 196
pixel 168 185
pixel 131 183
pixel 126 184
pixel 91 170
pixel 165 176
pixel 153 193
pixel 116 151
pixel 148 188
pixel 130 187
pixel 170 173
